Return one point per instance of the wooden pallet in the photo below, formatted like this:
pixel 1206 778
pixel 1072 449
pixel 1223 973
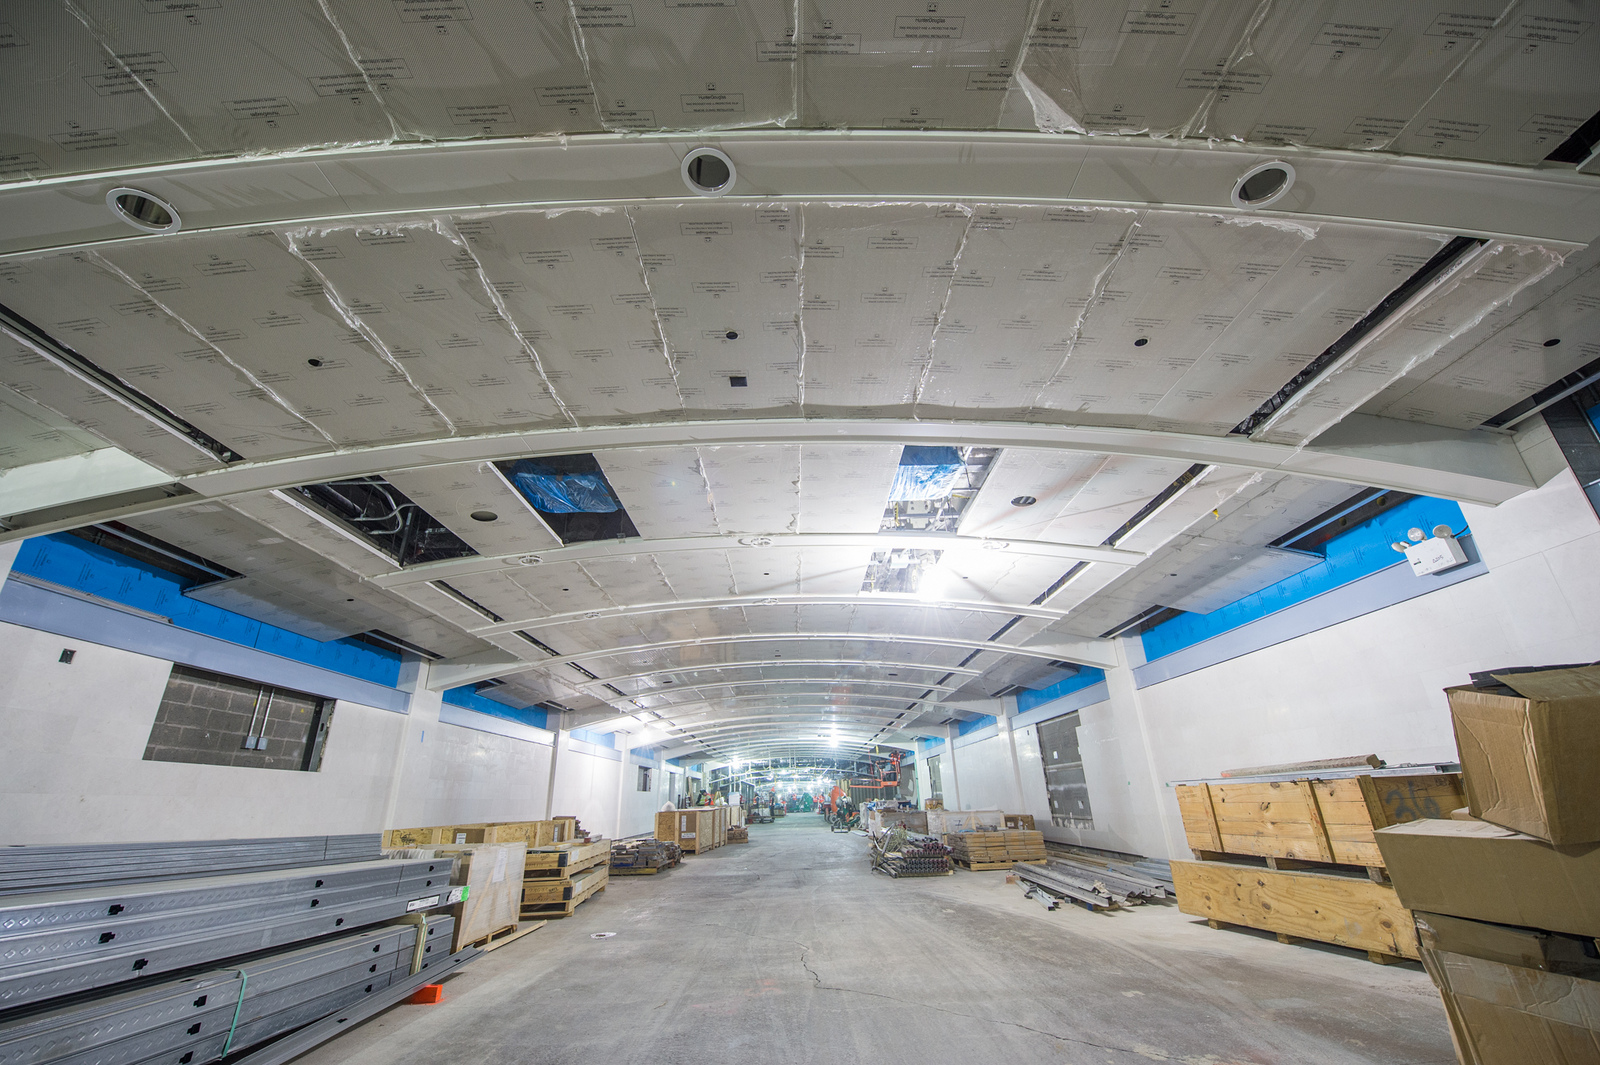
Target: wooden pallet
pixel 1348 911
pixel 984 867
pixel 509 934
pixel 587 884
pixel 565 861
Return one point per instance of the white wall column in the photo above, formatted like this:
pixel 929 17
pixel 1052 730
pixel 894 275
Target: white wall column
pixel 1125 697
pixel 952 781
pixel 558 748
pixel 626 777
pixel 1003 720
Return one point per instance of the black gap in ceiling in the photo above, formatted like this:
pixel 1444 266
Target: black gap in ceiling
pixel 379 638
pixel 85 369
pixel 1363 506
pixel 540 644
pixel 572 495
pixel 1435 266
pixel 1144 620
pixel 1578 147
pixel 1584 375
pixel 465 600
pixel 383 516
pixel 187 566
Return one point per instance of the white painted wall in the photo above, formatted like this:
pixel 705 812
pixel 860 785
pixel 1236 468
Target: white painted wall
pixel 1371 685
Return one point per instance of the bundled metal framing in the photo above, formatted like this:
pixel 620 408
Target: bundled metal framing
pixel 28 869
pixel 1090 885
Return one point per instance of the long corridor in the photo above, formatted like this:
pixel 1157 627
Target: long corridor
pixel 789 949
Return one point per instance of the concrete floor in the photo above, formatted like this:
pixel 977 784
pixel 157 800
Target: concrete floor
pixel 788 949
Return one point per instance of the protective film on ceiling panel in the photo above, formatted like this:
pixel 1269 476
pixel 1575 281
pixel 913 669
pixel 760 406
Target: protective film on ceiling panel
pixel 416 292
pixel 689 64
pixel 72 105
pixel 876 279
pixel 31 433
pixel 1492 277
pixel 843 487
pixel 272 75
pixel 1509 357
pixel 663 490
pixel 1314 293
pixel 557 587
pixel 267 312
pixel 725 285
pixel 1163 284
pixel 754 489
pixel 447 69
pixel 571 283
pixel 1343 73
pixel 1113 495
pixel 1125 69
pixel 1014 304
pixel 119 322
pixel 28 373
pixel 1051 478
pixel 475 504
pixel 298 526
pixel 767 571
pixel 832 570
pixel 908 65
pixel 1527 84
pixel 697 574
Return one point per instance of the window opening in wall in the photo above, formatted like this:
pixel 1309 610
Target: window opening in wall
pixel 572 495
pixel 1063 773
pixel 933 486
pixel 644 778
pixel 214 719
pixel 382 515
pixel 935 780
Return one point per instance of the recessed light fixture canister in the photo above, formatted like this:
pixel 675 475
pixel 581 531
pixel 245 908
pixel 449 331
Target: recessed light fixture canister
pixel 1263 185
pixel 143 210
pixel 708 172
pixel 1023 501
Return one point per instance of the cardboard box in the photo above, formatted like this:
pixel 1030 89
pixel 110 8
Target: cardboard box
pixel 1504 1013
pixel 1533 763
pixel 1482 871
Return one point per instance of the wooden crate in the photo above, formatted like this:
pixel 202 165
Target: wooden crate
pixel 1345 910
pixel 584 886
pixel 565 860
pixel 533 833
pixel 1311 820
pixel 696 831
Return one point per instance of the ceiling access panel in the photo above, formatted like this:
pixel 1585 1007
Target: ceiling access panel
pixel 1525 87
pixel 1344 73
pixel 30 432
pixel 754 488
pixel 1113 495
pixel 454 494
pixel 416 292
pixel 663 489
pixel 84 303
pixel 908 66
pixel 1127 69
pixel 72 106
pixel 1052 478
pixel 725 289
pixel 1410 339
pixel 875 280
pixel 29 374
pixel 843 487
pixel 1160 285
pixel 573 286
pixel 688 64
pixel 1508 356
pixel 241 79
pixel 267 312
pixel 445 69
pixel 1318 291
pixel 1016 301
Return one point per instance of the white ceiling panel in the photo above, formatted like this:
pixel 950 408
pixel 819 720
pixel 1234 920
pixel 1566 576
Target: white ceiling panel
pixel 663 490
pixel 453 494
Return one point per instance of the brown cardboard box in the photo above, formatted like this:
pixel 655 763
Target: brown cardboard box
pixel 1502 1013
pixel 1487 873
pixel 1533 763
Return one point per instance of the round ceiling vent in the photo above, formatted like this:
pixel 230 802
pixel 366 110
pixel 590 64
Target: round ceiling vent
pixel 756 541
pixel 1263 185
pixel 485 515
pixel 1024 501
pixel 708 172
pixel 531 560
pixel 143 211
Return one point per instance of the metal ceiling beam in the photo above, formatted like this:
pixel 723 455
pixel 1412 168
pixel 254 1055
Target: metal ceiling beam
pixel 600 550
pixel 819 686
pixel 485 665
pixel 394 181
pixel 1472 466
pixel 751 663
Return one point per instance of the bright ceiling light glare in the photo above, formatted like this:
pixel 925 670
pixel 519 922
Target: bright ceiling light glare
pixel 1263 185
pixel 143 211
pixel 708 172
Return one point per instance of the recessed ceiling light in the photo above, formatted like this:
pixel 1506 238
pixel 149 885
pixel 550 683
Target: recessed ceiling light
pixel 1141 342
pixel 708 172
pixel 732 334
pixel 1552 342
pixel 143 211
pixel 1263 185
pixel 485 515
pixel 313 362
pixel 1023 501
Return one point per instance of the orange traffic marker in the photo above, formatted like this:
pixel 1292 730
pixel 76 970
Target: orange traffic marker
pixel 427 995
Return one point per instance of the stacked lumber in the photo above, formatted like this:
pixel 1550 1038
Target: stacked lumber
pixel 643 857
pixel 1299 857
pixel 999 848
pixel 557 879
